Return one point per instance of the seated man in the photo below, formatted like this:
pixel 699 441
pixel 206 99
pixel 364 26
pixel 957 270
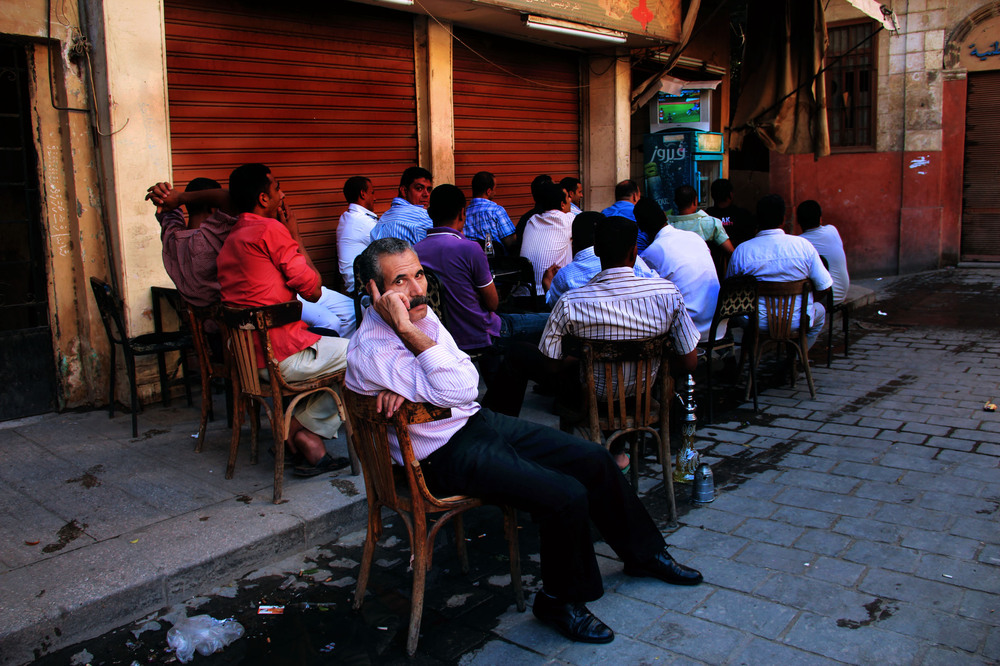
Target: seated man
pixel 774 256
pixel 547 236
pixel 407 216
pixel 574 188
pixel 565 482
pixel 467 284
pixel 486 218
pixel 737 222
pixel 537 185
pixel 261 264
pixel 626 196
pixel 618 305
pixel 683 258
pixel 355 226
pixel 689 218
pixel 826 240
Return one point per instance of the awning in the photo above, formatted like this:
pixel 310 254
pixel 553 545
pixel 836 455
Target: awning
pixel 673 86
pixel 878 11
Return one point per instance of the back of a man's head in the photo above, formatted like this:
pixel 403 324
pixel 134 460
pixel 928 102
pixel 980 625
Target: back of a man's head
pixel 246 183
pixel 770 212
pixel 537 185
pixel 414 173
pixel 551 197
pixel 722 191
pixel 649 217
pixel 354 187
pixel 483 182
pixel 808 214
pixel 369 267
pixel 626 190
pixel 685 196
pixel 583 229
pixel 199 185
pixel 614 240
pixel 447 202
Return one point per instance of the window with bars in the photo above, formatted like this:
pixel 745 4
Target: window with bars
pixel 850 84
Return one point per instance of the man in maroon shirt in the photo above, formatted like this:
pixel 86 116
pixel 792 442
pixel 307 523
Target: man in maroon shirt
pixel 261 264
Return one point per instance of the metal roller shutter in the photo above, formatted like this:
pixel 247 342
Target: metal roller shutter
pixel 517 115
pixel 318 92
pixel 981 197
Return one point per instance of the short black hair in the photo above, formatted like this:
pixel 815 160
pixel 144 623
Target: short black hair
pixel 447 201
pixel 722 189
pixel 770 212
pixel 614 238
pixel 684 196
pixel 246 183
pixel 583 229
pixel 536 187
pixel 551 197
pixel 569 183
pixel 354 187
pixel 649 216
pixel 808 214
pixel 414 173
pixel 625 189
pixel 200 185
pixel 369 267
pixel 482 182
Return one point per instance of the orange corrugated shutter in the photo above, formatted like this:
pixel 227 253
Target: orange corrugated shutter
pixel 517 114
pixel 319 96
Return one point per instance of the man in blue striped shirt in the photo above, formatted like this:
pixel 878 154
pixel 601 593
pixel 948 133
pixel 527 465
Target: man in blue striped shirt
pixel 407 218
pixel 484 216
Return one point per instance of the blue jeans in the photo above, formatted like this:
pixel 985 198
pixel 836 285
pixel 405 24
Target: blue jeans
pixel 526 327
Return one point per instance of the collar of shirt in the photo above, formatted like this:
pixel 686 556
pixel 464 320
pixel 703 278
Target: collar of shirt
pixel 434 231
pixel 400 201
pixel 771 232
pixel 697 215
pixel 614 273
pixel 552 217
pixel 358 208
pixel 584 254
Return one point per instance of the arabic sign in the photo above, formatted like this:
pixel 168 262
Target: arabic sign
pixel 980 50
pixel 660 19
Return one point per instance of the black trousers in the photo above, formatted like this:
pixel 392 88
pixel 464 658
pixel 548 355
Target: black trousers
pixel 563 481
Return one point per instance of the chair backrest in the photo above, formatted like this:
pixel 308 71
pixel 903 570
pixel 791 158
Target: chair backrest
pixel 627 370
pixel 780 300
pixel 111 309
pixel 737 298
pixel 360 296
pixel 511 275
pixel 243 324
pixel 436 296
pixel 198 317
pixel 370 436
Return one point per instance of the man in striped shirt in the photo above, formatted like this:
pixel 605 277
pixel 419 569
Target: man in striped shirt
pixel 401 351
pixel 484 217
pixel 407 216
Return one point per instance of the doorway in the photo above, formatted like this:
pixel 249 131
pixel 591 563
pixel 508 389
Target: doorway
pixel 980 194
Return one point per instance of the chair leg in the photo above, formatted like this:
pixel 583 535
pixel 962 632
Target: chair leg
pixel 234 440
pixel 111 382
pixel 187 376
pixel 254 430
pixel 708 381
pixel 510 531
pixel 279 429
pixel 804 357
pixel 635 452
pixel 420 548
pixel 829 339
pixel 161 362
pixel 845 319
pixel 206 408
pixel 463 551
pixel 133 392
pixel 367 555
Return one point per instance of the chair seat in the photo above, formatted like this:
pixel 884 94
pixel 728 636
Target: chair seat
pixel 152 343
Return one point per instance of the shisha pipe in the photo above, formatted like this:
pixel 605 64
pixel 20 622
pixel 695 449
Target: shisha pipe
pixel 687 457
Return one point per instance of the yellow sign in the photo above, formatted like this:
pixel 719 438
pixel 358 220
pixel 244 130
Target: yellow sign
pixel 660 19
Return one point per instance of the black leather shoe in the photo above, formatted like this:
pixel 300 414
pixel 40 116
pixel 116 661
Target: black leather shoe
pixel 664 567
pixel 571 619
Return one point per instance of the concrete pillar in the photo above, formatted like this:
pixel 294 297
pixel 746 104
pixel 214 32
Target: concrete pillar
pixel 435 112
pixel 608 128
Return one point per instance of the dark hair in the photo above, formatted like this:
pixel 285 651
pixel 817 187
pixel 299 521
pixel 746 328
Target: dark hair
pixel 684 196
pixel 482 182
pixel 614 238
pixel 414 173
pixel 369 261
pixel 722 189
pixel 569 183
pixel 583 229
pixel 447 201
pixel 770 212
pixel 649 216
pixel 354 187
pixel 808 214
pixel 246 183
pixel 200 185
pixel 551 197
pixel 536 187
pixel 626 189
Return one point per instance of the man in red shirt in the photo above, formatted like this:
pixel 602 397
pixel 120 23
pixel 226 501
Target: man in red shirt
pixel 261 264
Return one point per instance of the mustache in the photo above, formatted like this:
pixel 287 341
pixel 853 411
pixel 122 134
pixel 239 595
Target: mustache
pixel 419 300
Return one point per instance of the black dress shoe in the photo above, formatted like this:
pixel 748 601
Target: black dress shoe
pixel 571 619
pixel 664 567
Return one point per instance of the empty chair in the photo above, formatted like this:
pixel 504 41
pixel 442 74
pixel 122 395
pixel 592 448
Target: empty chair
pixel 737 298
pixel 780 300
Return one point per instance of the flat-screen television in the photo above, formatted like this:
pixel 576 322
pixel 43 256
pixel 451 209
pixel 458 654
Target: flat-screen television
pixel 691 109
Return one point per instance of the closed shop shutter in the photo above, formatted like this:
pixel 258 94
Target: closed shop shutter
pixel 981 196
pixel 316 93
pixel 517 114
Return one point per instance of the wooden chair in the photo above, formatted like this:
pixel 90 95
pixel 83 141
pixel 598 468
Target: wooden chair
pixel 780 300
pixel 244 325
pixel 112 315
pixel 403 490
pixel 211 365
pixel 737 298
pixel 631 370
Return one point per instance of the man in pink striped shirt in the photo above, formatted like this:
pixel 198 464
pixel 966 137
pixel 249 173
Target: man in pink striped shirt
pixel 401 351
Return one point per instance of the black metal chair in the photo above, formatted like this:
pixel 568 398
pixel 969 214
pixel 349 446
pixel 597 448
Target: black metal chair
pixel 513 276
pixel 844 308
pixel 737 298
pixel 111 309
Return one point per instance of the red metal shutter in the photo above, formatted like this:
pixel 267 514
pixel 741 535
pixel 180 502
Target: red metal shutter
pixel 517 114
pixel 981 197
pixel 318 96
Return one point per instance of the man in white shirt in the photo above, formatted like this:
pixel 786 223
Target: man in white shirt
pixel 548 235
pixel 774 256
pixel 827 242
pixel 403 351
pixel 355 226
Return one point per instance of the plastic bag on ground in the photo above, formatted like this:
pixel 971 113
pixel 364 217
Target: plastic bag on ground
pixel 202 633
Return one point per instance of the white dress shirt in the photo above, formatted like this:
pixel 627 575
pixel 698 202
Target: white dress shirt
pixel 826 240
pixel 442 375
pixel 683 258
pixel 353 236
pixel 547 241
